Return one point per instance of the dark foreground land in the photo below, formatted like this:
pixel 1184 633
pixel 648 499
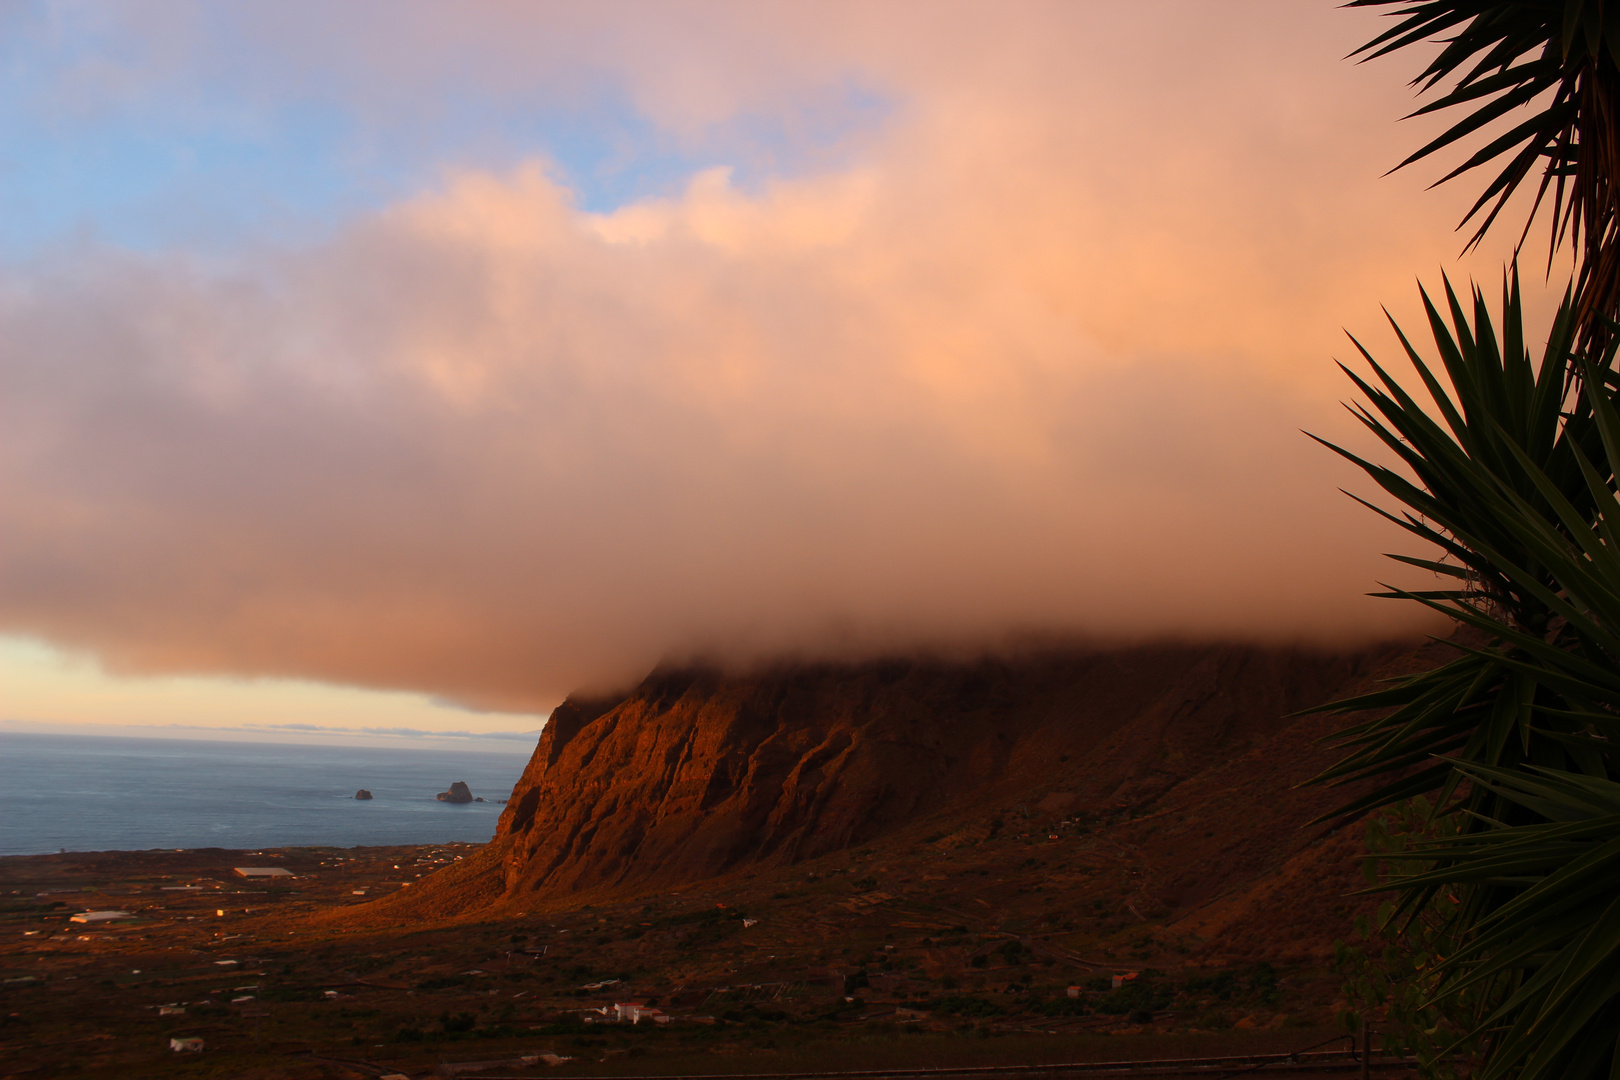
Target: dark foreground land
pixel 1058 859
pixel 813 970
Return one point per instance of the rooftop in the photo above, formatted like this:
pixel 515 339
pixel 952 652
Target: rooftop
pixel 99 916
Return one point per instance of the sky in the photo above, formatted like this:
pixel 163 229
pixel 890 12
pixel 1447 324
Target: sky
pixel 408 366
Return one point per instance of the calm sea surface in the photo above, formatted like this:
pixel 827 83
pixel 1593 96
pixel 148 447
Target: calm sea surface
pixel 99 793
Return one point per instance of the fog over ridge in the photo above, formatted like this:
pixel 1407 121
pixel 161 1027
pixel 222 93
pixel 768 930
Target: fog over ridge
pixel 977 384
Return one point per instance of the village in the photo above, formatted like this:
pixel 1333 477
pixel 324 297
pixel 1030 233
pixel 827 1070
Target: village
pixel 1015 948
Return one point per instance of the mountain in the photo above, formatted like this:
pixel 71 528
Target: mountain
pixel 1184 758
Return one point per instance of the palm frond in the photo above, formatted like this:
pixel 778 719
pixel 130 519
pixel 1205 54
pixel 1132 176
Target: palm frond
pixel 1552 942
pixel 1557 59
pixel 1518 734
pixel 1497 444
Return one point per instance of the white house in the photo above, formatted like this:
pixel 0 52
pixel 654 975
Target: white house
pixel 635 1012
pixel 99 916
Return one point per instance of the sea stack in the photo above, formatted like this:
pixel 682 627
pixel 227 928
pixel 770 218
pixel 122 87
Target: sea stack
pixel 362 794
pixel 458 792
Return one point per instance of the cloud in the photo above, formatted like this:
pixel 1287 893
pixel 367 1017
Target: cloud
pixel 324 734
pixel 1031 361
pixel 403 732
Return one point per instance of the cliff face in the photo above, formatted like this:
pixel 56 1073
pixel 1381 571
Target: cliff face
pixel 696 773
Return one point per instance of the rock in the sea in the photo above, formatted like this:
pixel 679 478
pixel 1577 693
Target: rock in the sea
pixel 362 794
pixel 459 792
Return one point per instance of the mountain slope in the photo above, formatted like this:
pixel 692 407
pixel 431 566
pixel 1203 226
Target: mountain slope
pixel 698 773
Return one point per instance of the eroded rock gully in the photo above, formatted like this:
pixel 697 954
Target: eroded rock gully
pixel 698 772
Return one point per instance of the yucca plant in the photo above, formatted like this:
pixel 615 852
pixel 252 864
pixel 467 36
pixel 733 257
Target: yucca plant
pixel 1503 427
pixel 1547 955
pixel 1512 480
pixel 1514 483
pixel 1557 61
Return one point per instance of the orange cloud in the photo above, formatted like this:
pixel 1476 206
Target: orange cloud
pixel 1031 361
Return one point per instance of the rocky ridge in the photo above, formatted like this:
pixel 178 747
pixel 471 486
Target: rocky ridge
pixel 698 774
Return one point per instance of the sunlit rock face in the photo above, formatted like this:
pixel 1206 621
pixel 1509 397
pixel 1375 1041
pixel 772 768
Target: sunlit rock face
pixel 697 772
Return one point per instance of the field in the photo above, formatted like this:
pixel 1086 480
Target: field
pixel 895 959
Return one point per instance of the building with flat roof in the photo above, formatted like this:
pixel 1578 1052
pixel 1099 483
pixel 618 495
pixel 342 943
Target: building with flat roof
pixel 99 916
pixel 262 871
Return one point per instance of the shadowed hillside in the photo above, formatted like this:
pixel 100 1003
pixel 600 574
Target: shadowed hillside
pixel 1184 758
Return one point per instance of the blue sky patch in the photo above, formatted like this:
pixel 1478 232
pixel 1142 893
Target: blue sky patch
pixel 201 163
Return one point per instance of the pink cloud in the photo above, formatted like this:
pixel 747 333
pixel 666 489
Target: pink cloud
pixel 1031 363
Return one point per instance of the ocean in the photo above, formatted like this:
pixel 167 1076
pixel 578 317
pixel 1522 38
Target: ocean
pixel 105 793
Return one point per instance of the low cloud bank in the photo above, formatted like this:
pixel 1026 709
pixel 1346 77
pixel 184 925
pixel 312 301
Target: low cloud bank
pixel 1031 366
pixel 397 732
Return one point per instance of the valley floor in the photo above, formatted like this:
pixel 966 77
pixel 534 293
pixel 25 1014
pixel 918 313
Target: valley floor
pixel 997 948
